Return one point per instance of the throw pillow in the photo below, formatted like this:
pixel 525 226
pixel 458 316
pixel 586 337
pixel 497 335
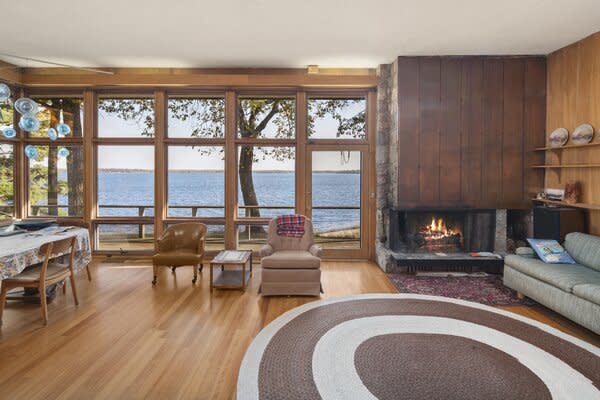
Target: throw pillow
pixel 550 251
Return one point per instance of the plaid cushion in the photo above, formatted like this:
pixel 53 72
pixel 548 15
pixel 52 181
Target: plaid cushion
pixel 290 225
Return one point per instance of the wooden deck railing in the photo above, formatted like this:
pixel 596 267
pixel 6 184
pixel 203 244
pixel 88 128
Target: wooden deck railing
pixel 142 208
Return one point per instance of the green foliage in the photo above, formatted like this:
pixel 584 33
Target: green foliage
pixel 6 175
pixel 349 125
pixel 6 161
pixel 140 111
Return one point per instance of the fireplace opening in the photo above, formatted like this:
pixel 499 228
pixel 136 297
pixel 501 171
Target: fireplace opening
pixel 435 234
pixel 442 230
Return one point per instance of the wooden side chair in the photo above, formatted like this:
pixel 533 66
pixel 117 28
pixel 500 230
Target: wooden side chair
pixel 81 224
pixel 45 274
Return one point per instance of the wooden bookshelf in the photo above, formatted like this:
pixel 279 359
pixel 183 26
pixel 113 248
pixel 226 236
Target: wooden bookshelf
pixel 568 146
pixel 585 206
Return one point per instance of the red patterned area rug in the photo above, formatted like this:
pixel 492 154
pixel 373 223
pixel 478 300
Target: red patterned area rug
pixel 483 289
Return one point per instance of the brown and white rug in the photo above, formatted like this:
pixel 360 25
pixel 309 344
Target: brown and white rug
pixel 407 346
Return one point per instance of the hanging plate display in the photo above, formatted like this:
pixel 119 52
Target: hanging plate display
pixel 29 123
pixel 63 129
pixel 63 152
pixel 52 135
pixel 559 137
pixel 31 151
pixel 4 92
pixel 9 133
pixel 583 134
pixel 26 106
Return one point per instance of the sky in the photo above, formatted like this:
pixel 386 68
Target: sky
pixel 187 158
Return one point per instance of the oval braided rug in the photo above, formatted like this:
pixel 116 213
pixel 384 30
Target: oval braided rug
pixel 406 346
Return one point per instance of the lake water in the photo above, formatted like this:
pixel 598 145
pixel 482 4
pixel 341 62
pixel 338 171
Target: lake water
pixel 205 188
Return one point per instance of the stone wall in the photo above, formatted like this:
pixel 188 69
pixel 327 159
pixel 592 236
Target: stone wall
pixel 386 157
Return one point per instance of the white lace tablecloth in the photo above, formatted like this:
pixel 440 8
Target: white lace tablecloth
pixel 21 250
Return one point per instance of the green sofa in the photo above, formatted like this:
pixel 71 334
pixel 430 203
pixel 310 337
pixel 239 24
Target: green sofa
pixel 572 290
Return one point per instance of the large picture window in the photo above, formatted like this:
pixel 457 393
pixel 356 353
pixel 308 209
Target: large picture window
pixel 266 180
pixel 163 158
pixel 125 181
pixel 56 181
pixel 336 198
pixel 55 184
pixel 196 181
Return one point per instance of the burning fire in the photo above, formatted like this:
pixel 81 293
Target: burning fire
pixel 438 230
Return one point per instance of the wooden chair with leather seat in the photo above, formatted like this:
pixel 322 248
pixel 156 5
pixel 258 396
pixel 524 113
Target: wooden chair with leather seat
pixel 180 245
pixel 45 274
pixel 81 224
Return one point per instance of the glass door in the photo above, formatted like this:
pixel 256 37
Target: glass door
pixel 335 199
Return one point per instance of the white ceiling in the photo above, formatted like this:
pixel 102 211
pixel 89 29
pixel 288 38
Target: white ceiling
pixel 284 33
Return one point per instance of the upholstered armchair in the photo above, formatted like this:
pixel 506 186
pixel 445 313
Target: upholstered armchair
pixel 180 245
pixel 291 265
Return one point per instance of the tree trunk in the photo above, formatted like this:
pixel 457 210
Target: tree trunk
pixel 52 180
pixel 247 181
pixel 75 160
pixel 247 188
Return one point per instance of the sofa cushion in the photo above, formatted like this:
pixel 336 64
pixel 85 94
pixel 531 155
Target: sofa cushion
pixel 588 291
pixel 585 249
pixel 563 276
pixel 293 259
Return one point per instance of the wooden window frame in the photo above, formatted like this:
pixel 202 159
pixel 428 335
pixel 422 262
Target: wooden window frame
pixel 161 142
pixel 26 140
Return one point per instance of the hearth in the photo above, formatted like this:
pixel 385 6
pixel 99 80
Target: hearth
pixel 442 230
pixel 442 238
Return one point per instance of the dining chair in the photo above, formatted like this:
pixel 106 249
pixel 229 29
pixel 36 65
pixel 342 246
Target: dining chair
pixel 81 224
pixel 45 274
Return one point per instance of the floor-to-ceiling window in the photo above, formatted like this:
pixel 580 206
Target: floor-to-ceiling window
pixel 232 160
pixel 124 159
pixel 265 161
pixel 55 170
pixel 195 138
pixel 338 151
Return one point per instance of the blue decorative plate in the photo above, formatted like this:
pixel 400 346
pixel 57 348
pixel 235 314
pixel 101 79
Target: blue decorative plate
pixel 35 224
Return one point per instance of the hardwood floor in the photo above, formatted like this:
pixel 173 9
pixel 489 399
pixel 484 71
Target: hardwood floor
pixel 128 340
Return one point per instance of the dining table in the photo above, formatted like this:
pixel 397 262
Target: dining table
pixel 20 250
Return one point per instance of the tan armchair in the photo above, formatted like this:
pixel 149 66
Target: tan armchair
pixel 291 266
pixel 180 245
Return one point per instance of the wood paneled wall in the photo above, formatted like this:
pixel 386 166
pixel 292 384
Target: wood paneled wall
pixel 465 126
pixel 573 99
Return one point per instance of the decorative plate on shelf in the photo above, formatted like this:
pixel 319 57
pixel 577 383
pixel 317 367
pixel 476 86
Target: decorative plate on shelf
pixel 583 134
pixel 559 137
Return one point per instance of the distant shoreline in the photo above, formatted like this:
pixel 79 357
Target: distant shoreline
pixel 122 170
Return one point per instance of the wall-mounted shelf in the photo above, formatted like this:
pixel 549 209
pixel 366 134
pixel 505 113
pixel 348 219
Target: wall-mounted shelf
pixel 585 206
pixel 568 146
pixel 567 166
